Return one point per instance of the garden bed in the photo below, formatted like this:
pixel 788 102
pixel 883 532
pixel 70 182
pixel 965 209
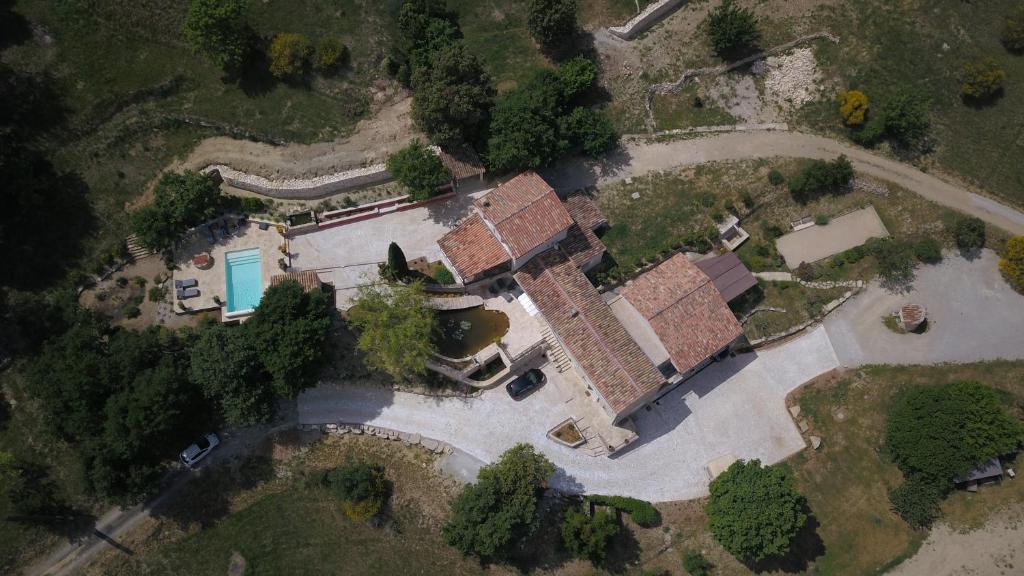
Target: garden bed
pixel 567 434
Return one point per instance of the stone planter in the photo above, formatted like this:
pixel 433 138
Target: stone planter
pixel 567 433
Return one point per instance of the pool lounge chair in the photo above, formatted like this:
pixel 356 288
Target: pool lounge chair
pixel 187 283
pixel 188 293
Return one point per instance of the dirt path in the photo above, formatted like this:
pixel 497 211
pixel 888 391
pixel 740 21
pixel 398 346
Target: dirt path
pixel 639 156
pixel 996 548
pixel 373 141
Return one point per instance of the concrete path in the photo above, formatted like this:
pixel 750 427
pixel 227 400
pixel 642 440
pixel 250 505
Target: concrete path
pixel 735 407
pixel 640 157
pixel 973 315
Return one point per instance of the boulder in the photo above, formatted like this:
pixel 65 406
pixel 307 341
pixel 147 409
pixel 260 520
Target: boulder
pixel 815 442
pixel 795 410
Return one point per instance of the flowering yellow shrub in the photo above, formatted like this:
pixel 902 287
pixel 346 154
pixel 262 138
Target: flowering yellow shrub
pixel 1012 263
pixel 854 107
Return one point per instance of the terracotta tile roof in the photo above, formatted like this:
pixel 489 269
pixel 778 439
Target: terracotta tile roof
pixel 472 249
pixel 581 244
pixel 729 275
pixel 525 211
pixel 462 163
pixel 582 208
pixel 612 361
pixel 307 279
pixel 685 309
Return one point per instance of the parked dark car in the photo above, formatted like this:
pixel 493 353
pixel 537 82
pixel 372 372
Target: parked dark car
pixel 528 382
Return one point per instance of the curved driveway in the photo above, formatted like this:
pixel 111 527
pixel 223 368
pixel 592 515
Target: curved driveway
pixel 638 157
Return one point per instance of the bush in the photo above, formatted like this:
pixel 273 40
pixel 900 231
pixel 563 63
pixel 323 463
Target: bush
pixel 331 54
pixel 552 23
pixel 806 272
pixel 158 294
pixel 418 169
pixel 916 502
pixel 928 251
pixel 442 275
pixel 289 54
pixel 821 219
pixel 591 130
pixel 361 488
pixel 732 31
pixel 853 106
pixel 121 282
pixel 775 177
pixel 587 536
pixel 754 512
pixel 642 512
pixel 578 75
pixel 131 310
pixel 695 563
pixel 217 30
pixel 771 229
pixel 747 199
pixel 895 259
pixel 1013 30
pixel 905 118
pixel 821 177
pixel 980 81
pixel 1012 263
pixel 969 233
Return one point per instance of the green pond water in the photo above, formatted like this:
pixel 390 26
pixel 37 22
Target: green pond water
pixel 462 333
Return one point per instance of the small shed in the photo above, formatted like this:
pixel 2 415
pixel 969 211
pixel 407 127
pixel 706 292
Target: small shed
pixel 988 472
pixel 912 316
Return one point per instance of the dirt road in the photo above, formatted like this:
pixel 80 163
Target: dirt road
pixel 996 548
pixel 639 156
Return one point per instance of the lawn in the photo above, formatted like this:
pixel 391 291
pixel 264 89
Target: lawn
pixel 791 304
pixel 680 110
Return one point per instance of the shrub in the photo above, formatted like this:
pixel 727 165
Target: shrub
pixel 895 260
pixel 718 216
pixel 1012 263
pixel 1013 30
pixel 747 199
pixel 904 118
pixel 360 487
pixel 158 294
pixel 577 76
pixel 754 512
pixel 289 54
pixel 853 106
pixel 806 272
pixel 969 233
pixel 418 169
pixel 442 275
pixel 695 563
pixel 588 536
pixel 821 219
pixel 252 205
pixel 397 267
pixel 771 229
pixel 642 512
pixel 217 30
pixel 916 502
pixel 552 23
pixel 331 54
pixel 131 310
pixel 980 81
pixel 732 30
pixel 775 177
pixel 121 281
pixel 821 177
pixel 928 251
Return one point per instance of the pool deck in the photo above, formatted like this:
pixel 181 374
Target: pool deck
pixel 212 282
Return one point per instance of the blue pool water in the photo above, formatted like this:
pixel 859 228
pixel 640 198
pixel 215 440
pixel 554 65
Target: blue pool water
pixel 244 285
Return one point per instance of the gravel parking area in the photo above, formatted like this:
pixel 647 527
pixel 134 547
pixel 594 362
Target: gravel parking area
pixel 734 407
pixel 973 315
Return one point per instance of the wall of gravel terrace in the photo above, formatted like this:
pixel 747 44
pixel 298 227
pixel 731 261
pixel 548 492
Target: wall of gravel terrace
pixel 645 19
pixel 303 188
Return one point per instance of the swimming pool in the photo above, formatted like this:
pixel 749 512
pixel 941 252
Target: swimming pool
pixel 243 278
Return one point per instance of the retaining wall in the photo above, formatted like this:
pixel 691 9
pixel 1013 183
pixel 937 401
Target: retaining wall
pixel 645 19
pixel 303 188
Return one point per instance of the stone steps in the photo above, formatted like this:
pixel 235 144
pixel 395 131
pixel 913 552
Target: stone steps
pixel 138 252
pixel 555 352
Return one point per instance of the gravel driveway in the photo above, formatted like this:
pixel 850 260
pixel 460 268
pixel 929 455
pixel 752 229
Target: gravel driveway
pixel 735 407
pixel 973 315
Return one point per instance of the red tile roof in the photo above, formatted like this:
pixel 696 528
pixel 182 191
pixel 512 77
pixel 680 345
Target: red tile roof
pixel 685 310
pixel 581 244
pixel 611 359
pixel 472 249
pixel 525 211
pixel 307 279
pixel 582 208
pixel 462 163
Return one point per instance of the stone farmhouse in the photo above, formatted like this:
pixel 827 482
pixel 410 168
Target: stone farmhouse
pixel 628 345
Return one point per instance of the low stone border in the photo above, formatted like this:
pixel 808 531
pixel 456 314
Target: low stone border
pixel 645 19
pixel 342 429
pixel 302 188
pixel 779 126
pixel 801 327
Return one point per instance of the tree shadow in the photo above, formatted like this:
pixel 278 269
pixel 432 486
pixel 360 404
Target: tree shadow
pixel 542 550
pixel 207 498
pixel 253 76
pixel 805 548
pixel 983 102
pixel 623 551
pixel 14 28
pixel 38 503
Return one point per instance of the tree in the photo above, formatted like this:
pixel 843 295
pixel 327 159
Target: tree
pixel 1013 30
pixel 397 266
pixel 331 54
pixel 227 368
pixel 289 55
pixel 552 23
pixel 395 328
pixel 525 129
pixel 289 330
pixel 587 536
pixel 361 488
pixel 732 30
pixel 452 96
pixel 577 76
pixel 590 130
pixel 928 250
pixel 491 516
pixel 969 233
pixel 419 169
pixel 821 177
pixel 695 563
pixel 905 118
pixel 217 30
pixel 180 202
pixel 895 260
pixel 853 106
pixel 1012 263
pixel 754 512
pixel 981 81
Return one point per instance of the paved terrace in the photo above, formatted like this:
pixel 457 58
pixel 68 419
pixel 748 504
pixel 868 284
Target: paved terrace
pixel 842 233
pixel 735 407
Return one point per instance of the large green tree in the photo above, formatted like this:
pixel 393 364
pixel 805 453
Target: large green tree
pixel 588 536
pixel 552 23
pixel 395 328
pixel 754 512
pixel 217 30
pixel 452 96
pixel 732 30
pixel 181 200
pixel 419 169
pixel 491 516
pixel 227 367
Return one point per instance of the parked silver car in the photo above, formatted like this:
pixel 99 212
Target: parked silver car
pixel 199 449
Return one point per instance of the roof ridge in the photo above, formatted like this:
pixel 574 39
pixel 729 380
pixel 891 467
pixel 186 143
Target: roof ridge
pixel 525 206
pixel 684 296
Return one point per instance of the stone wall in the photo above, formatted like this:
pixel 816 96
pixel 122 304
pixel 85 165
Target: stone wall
pixel 303 188
pixel 644 20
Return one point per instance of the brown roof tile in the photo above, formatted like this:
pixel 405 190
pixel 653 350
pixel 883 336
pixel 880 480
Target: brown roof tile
pixel 685 310
pixel 472 249
pixel 525 211
pixel 307 279
pixel 612 361
pixel 582 208
pixel 462 163
pixel 581 244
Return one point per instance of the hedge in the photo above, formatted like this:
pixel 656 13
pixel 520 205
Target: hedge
pixel 642 512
